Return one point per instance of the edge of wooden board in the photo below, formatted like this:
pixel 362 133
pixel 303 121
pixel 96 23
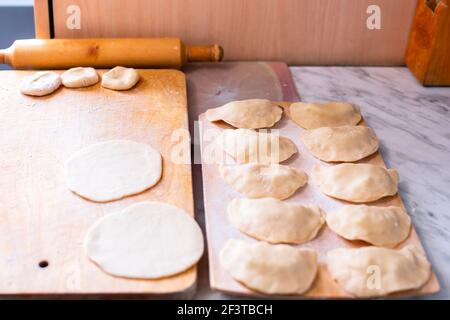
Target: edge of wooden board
pixel 233 287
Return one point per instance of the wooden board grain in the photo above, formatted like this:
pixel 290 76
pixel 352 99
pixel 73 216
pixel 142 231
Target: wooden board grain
pixel 294 31
pixel 217 195
pixel 40 219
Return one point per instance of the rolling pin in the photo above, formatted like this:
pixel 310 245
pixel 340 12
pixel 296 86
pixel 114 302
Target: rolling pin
pixel 105 53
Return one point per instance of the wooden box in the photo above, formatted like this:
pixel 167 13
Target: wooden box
pixel 428 53
pixel 314 32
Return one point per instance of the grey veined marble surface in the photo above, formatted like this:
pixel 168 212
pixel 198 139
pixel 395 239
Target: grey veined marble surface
pixel 413 124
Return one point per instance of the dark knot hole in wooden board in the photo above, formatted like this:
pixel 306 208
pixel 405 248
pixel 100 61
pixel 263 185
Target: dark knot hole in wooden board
pixel 43 264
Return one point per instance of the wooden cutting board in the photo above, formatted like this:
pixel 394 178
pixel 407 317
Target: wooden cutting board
pixel 217 195
pixel 41 221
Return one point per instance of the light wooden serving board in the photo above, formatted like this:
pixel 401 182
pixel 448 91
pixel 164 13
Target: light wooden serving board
pixel 217 195
pixel 40 219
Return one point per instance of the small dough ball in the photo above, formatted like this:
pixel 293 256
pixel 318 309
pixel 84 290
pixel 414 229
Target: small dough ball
pixel 147 240
pixel 113 169
pixel 79 77
pixel 40 83
pixel 120 78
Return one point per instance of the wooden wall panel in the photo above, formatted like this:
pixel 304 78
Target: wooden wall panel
pixel 41 19
pixel 295 31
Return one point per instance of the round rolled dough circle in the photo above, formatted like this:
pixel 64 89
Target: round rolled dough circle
pixel 120 78
pixel 113 169
pixel 79 77
pixel 40 83
pixel 147 240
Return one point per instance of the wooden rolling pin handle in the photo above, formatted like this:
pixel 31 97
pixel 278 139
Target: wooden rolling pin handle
pixel 213 53
pixel 2 57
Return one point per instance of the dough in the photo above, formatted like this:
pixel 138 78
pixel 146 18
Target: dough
pixel 275 221
pixel 113 169
pixel 40 83
pixel 268 268
pixel 346 143
pixel 246 145
pixel 120 78
pixel 356 182
pixel 250 114
pixel 257 180
pixel 380 226
pixel 328 114
pixel 79 77
pixel 146 240
pixel 373 271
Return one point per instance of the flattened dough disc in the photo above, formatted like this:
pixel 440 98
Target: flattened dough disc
pixel 147 240
pixel 79 77
pixel 120 78
pixel 113 169
pixel 40 83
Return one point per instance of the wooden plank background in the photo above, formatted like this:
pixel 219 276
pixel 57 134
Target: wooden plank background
pixel 313 32
pixel 41 19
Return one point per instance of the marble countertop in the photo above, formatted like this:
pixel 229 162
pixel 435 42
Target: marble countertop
pixel 413 124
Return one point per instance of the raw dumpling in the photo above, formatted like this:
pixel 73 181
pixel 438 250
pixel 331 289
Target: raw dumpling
pixel 113 169
pixel 328 114
pixel 356 182
pixel 120 78
pixel 249 114
pixel 246 146
pixel 79 77
pixel 346 143
pixel 257 180
pixel 268 268
pixel 146 240
pixel 374 271
pixel 380 226
pixel 275 221
pixel 40 83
